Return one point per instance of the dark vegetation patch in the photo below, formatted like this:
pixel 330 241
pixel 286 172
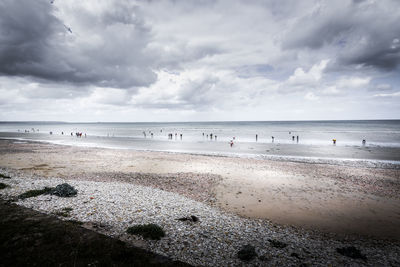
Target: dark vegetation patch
pixel 28 237
pixel 247 253
pixel 61 190
pixel 351 252
pixel 276 243
pixel 3 185
pixel 35 193
pixel 148 231
pixel 75 222
pixel 64 212
pixel 4 176
pixel 64 190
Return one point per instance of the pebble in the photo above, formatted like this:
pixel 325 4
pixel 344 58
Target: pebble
pixel 215 239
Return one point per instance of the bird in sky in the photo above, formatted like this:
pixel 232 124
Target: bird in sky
pixel 68 28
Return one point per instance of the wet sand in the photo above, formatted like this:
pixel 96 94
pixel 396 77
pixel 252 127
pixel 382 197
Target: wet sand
pixel 331 198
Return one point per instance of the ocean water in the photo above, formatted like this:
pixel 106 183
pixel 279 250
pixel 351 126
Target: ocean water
pixel 314 144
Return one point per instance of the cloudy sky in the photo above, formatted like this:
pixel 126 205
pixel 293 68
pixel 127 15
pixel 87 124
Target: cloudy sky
pixel 199 60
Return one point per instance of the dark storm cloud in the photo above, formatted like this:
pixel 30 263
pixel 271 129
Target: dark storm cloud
pixel 35 43
pixel 362 33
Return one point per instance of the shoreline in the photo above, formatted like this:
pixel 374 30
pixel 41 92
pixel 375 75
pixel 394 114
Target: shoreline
pixel 351 162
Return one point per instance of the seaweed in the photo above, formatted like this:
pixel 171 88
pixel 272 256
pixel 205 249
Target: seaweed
pixel 148 231
pixel 35 193
pixel 4 176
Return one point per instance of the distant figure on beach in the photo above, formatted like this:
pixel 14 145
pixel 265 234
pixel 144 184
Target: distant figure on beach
pixel 151 135
pixel 215 138
pixel 297 138
pixel 273 138
pixel 211 136
pixel 62 133
pixel 51 132
pixel 364 142
pixel 231 143
pixel 72 134
pixel 203 134
pixel 181 136
pixel 256 137
pixel 293 138
pixel 85 135
pixel 334 141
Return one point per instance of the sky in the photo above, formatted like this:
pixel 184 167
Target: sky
pixel 199 60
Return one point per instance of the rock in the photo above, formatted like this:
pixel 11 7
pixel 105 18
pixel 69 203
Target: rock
pixel 192 218
pixel 64 190
pixel 247 253
pixel 295 255
pixel 351 252
pixel 276 243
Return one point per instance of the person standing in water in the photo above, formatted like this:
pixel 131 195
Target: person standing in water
pixel 256 137
pixel 297 138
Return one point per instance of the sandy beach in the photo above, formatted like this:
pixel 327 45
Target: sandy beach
pixel 331 201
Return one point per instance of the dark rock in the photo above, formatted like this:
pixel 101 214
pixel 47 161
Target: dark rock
pixel 192 218
pixel 247 253
pixel 264 258
pixel 276 243
pixel 351 252
pixel 64 190
pixel 295 255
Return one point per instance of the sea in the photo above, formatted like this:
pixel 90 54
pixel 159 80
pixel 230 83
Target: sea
pixel 303 141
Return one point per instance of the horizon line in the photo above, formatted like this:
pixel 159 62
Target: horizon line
pixel 70 122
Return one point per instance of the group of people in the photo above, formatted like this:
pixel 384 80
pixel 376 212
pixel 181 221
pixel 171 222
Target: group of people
pixel 78 134
pixel 170 136
pixel 211 136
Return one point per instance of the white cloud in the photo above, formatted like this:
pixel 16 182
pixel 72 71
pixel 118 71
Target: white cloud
pixel 396 94
pixel 353 82
pixel 154 60
pixel 311 96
